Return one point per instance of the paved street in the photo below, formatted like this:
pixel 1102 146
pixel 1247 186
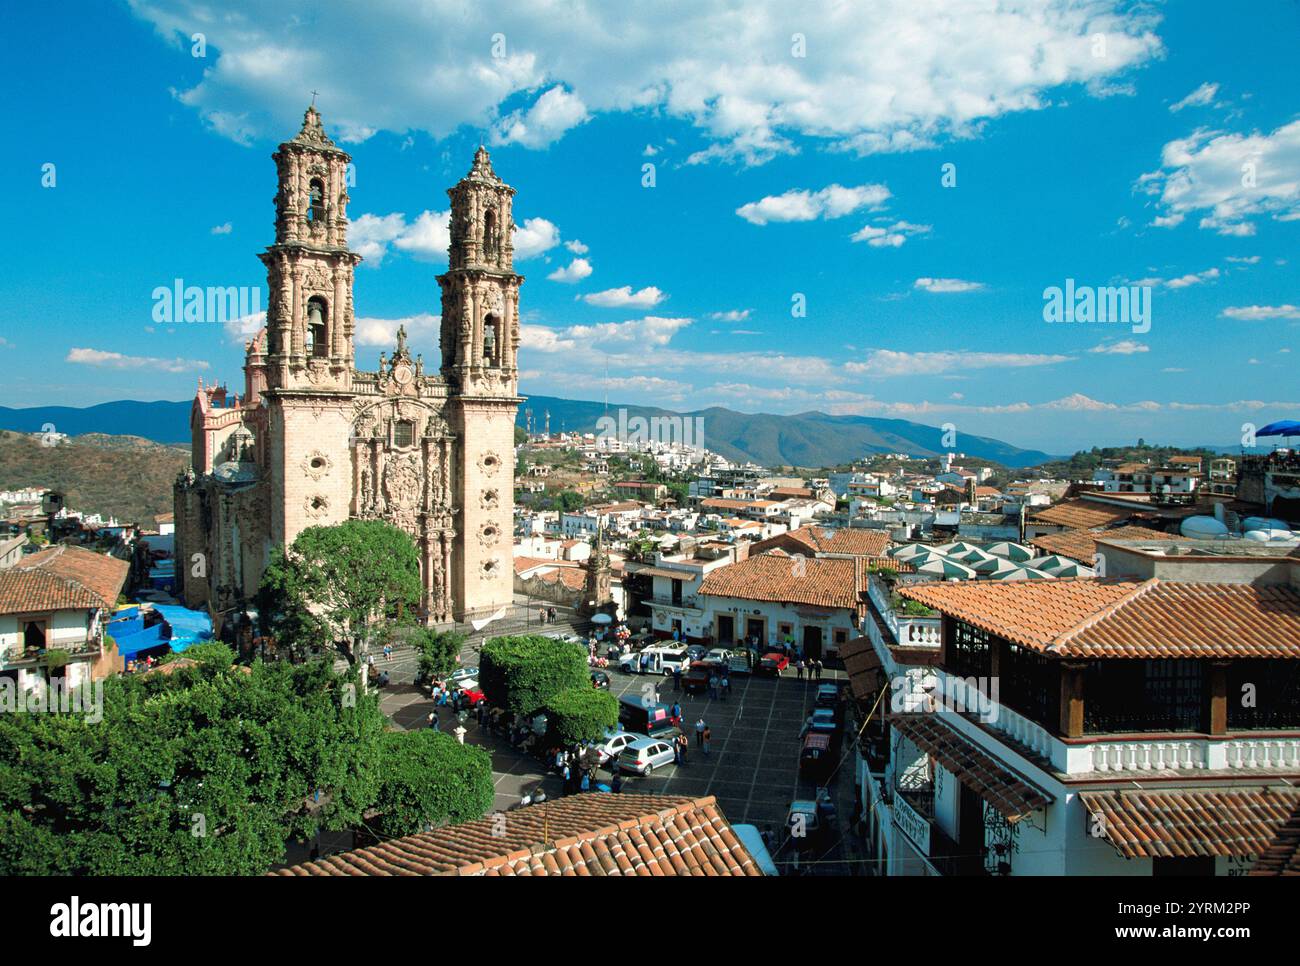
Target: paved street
pixel 752 768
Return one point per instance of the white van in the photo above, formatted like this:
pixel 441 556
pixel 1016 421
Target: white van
pixel 662 660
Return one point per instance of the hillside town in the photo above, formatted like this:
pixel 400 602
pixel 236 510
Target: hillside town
pixel 804 442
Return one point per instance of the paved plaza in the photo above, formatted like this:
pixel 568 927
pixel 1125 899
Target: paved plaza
pixel 752 768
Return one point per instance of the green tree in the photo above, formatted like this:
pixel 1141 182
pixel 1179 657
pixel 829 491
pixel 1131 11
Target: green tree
pixel 571 501
pixel 201 768
pixel 522 672
pixel 338 583
pixel 439 651
pixel 430 779
pixel 580 714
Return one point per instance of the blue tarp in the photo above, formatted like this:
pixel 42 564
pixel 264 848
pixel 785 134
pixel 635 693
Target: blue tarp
pixel 187 626
pixel 129 645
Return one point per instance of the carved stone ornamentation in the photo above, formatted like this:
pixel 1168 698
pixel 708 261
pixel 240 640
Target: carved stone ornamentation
pixel 489 463
pixel 317 464
pixel 489 535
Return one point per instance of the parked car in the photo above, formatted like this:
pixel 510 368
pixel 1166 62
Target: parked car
pixel 696 652
pixel 805 824
pixel 600 680
pixel 470 688
pixel 645 716
pixel 828 695
pixel 614 745
pixel 697 675
pixel 721 655
pixel 645 755
pixel 461 673
pixel 772 663
pixel 815 758
pixel 659 660
pixel 823 721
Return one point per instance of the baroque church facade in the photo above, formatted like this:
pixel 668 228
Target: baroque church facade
pixel 316 441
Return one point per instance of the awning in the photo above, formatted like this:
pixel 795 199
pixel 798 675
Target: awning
pixel 863 666
pixel 660 572
pixel 1013 796
pixel 1187 823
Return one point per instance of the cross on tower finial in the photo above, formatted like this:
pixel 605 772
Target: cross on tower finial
pixel 313 98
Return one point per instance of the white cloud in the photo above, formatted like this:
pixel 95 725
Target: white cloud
pixel 1253 313
pixel 243 329
pixel 1125 347
pixel 625 298
pixel 1198 98
pixel 225 229
pixel 889 236
pixel 1244 259
pixel 887 362
pixel 535 236
pixel 888 76
pixel 577 247
pixel 797 204
pixel 422 330
pixel 731 315
pixel 370 235
pixel 635 334
pixel 551 115
pixel 945 285
pixel 428 237
pixel 575 271
pixel 116 360
pixel 1194 278
pixel 1232 178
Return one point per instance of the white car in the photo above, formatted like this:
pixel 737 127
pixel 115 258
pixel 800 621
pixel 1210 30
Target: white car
pixel 464 674
pixel 614 745
pixel 719 654
pixel 645 755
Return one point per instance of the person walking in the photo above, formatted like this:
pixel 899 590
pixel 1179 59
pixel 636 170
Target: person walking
pixel 725 687
pixel 616 785
pixel 550 615
pixel 713 686
pixel 433 720
pixel 798 669
pixel 819 669
pixel 541 614
pixel 699 732
pixel 677 713
pixel 677 678
pixel 708 736
pixel 683 745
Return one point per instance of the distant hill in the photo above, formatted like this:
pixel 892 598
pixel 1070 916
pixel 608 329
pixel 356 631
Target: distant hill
pixel 162 421
pixel 122 476
pixel 805 439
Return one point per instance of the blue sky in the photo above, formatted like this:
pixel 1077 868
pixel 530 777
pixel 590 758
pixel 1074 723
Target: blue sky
pixel 1101 142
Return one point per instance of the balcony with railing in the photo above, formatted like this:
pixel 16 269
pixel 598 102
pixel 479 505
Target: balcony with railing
pixel 908 630
pixel 1125 753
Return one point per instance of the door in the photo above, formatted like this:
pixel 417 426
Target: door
pixel 756 628
pixel 726 628
pixel 970 835
pixel 812 643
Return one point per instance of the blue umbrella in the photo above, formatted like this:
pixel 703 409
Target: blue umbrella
pixel 1283 427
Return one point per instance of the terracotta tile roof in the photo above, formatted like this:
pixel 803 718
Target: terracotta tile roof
pixel 1082 544
pixel 1185 823
pixel 1282 857
pixel 889 563
pixel 795 492
pixel 62 577
pixel 1082 515
pixel 821 541
pixel 1090 617
pixel 1013 796
pixel 593 834
pixel 819 581
pixel 718 503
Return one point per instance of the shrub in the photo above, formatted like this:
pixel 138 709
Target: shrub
pixel 438 651
pixel 430 779
pixel 580 714
pixel 521 673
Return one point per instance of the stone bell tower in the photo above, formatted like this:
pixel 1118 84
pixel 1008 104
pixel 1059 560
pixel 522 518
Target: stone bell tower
pixel 307 366
pixel 480 344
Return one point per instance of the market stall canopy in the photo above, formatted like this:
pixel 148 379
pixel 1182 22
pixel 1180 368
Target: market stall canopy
pixel 1283 427
pixel 1015 552
pixel 942 566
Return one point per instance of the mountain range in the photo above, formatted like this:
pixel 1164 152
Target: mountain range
pixel 810 439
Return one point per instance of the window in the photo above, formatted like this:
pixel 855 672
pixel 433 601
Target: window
pixel 490 233
pixel 968 651
pixel 841 637
pixel 490 340
pixel 1031 685
pixel 1123 695
pixel 316 212
pixel 1263 694
pixel 403 433
pixel 317 335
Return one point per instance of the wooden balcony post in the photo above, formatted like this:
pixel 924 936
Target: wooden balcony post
pixel 1218 697
pixel 1071 699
